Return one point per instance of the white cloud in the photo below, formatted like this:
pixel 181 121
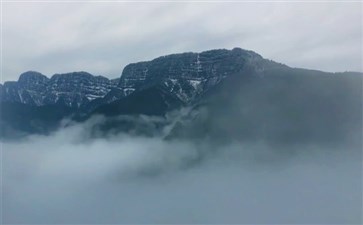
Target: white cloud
pixel 69 179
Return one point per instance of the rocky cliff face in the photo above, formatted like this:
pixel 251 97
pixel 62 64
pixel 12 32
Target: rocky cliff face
pixel 72 89
pixel 186 75
pixel 29 89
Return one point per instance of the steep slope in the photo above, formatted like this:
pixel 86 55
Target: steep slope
pixel 18 120
pixel 282 105
pixel 153 101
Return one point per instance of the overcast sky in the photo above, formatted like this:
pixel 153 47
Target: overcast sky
pixel 102 38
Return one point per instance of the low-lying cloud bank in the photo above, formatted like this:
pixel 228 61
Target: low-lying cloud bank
pixel 68 177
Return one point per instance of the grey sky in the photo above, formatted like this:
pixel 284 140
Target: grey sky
pixel 102 38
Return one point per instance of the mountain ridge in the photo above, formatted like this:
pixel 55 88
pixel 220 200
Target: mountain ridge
pixel 187 74
pixel 215 79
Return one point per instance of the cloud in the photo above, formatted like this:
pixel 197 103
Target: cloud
pixel 68 177
pixel 104 37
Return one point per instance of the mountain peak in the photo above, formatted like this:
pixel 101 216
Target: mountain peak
pixel 73 74
pixel 32 76
pixel 187 74
pixel 247 53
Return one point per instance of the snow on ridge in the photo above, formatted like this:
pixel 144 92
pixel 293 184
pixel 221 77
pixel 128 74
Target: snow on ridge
pixel 128 91
pixel 195 83
pixel 91 97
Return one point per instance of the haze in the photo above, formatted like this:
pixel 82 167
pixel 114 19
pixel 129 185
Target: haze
pixel 260 147
pixel 69 178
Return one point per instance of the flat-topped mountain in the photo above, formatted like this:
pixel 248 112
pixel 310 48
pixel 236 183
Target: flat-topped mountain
pixel 270 101
pixel 186 75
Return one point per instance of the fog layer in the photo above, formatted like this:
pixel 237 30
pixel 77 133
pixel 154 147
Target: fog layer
pixel 69 178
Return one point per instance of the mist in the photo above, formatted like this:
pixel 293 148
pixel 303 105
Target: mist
pixel 71 177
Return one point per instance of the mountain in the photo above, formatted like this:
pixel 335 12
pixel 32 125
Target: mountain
pixel 74 90
pixel 183 76
pixel 176 80
pixel 225 94
pixel 279 106
pixel 186 75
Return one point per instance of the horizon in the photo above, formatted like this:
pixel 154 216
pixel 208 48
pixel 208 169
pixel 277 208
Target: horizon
pixel 102 38
pixel 49 76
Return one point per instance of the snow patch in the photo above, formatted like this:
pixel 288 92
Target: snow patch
pixel 174 81
pixel 128 91
pixel 195 83
pixel 91 97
